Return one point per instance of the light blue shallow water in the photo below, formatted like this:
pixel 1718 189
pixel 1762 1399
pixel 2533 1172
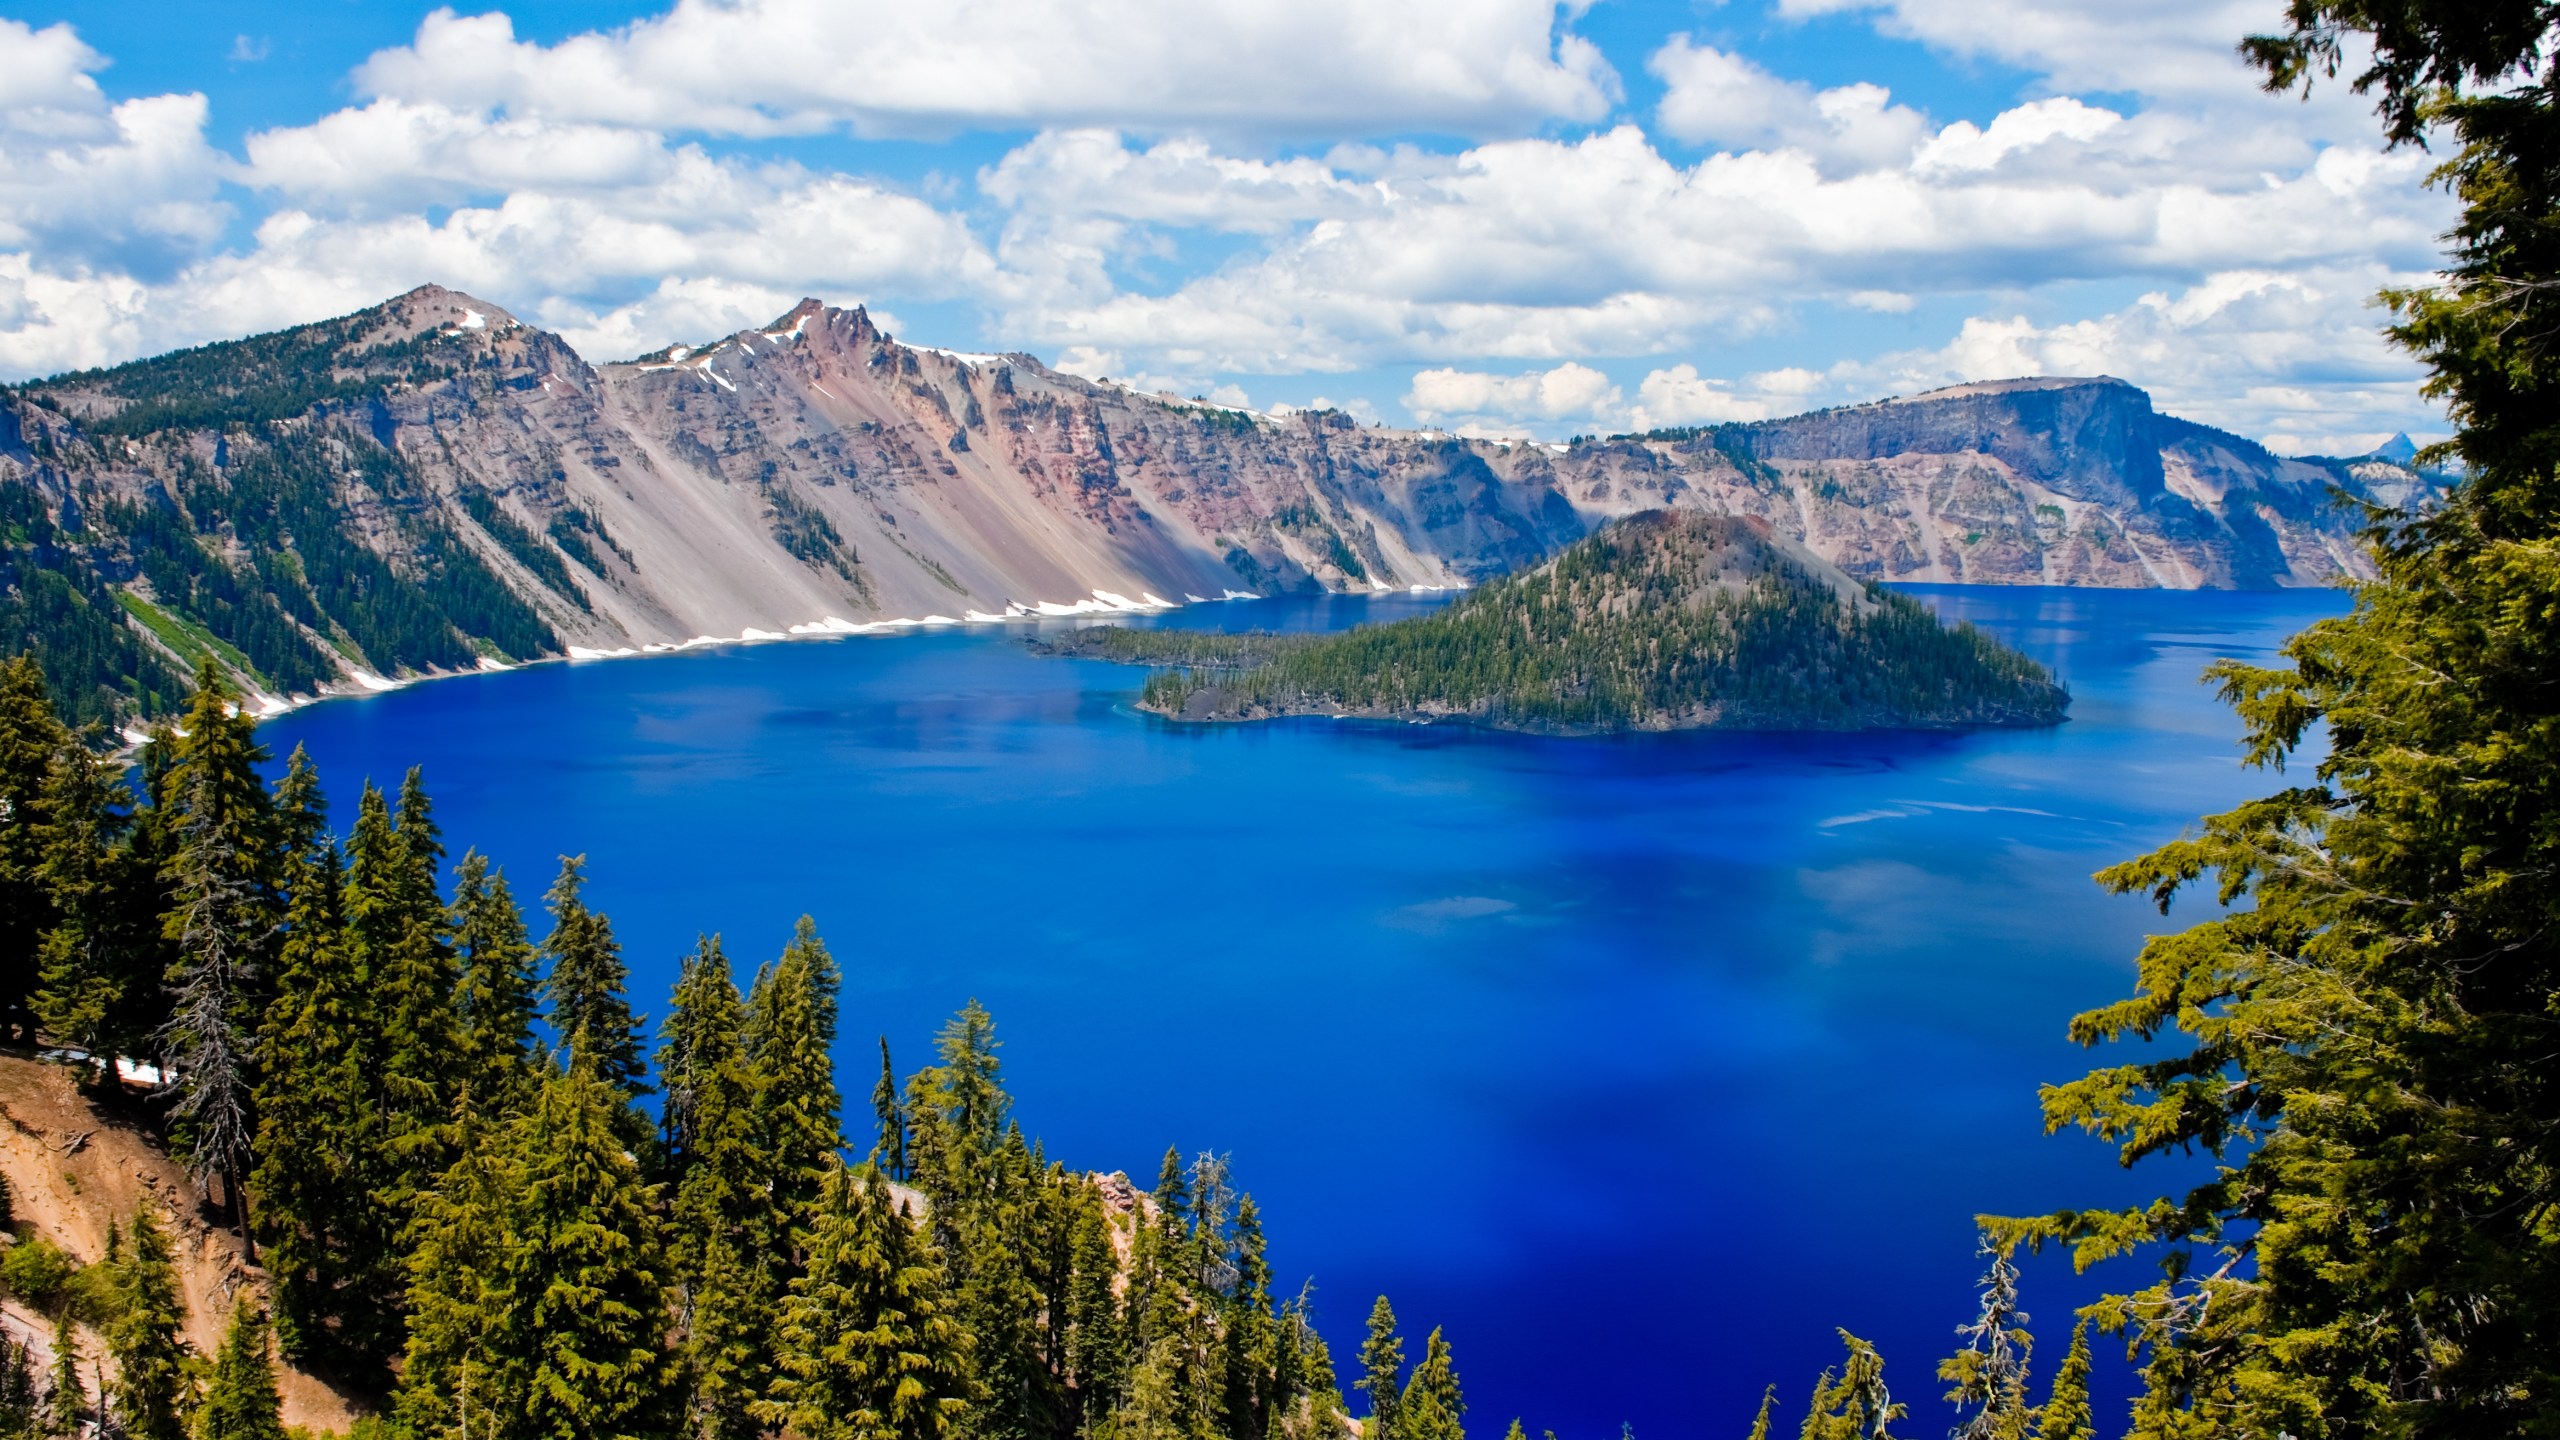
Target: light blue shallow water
pixel 1636 1064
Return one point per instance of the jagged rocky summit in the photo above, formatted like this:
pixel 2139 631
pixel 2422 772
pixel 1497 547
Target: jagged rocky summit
pixel 432 485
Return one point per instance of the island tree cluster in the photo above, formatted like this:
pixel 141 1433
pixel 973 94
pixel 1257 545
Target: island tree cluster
pixel 1662 621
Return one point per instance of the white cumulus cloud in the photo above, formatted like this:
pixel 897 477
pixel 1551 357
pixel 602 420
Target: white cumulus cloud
pixel 762 67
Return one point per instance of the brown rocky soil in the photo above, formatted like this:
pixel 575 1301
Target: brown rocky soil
pixel 77 1166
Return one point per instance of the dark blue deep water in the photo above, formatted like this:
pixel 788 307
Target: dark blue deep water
pixel 1638 1065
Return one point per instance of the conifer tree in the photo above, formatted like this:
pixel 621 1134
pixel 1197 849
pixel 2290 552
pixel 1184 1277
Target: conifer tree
pixel 222 920
pixel 1852 1403
pixel 1759 1422
pixel 590 1009
pixel 240 1401
pixel 1096 1342
pixel 968 1086
pixel 727 1266
pixel 143 1335
pixel 889 1152
pixel 1989 1375
pixel 789 1037
pixel 31 735
pixel 1432 1407
pixel 2360 1039
pixel 66 1400
pixel 1310 1407
pixel 1382 1375
pixel 406 953
pixel 330 1238
pixel 585 1283
pixel 456 1381
pixel 1250 1333
pixel 2066 1412
pixel 21 1398
pixel 868 1347
pixel 496 1001
pixel 100 952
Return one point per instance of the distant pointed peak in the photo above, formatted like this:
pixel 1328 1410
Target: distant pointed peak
pixel 791 320
pixel 2399 449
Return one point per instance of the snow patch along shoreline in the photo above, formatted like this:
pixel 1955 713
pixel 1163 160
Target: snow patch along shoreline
pixel 1101 602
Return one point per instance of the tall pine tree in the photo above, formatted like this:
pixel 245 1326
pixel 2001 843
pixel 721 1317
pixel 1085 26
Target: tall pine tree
pixel 30 737
pixel 499 987
pixel 321 1136
pixel 868 1347
pixel 586 1310
pixel 101 952
pixel 240 1399
pixel 145 1334
pixel 590 1009
pixel 1433 1408
pixel 728 1266
pixel 790 1034
pixel 1382 1375
pixel 457 1382
pixel 222 919
pixel 1989 1375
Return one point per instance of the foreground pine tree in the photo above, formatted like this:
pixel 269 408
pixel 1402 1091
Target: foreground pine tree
pixel 499 986
pixel 320 1137
pixel 727 1256
pixel 1432 1407
pixel 868 1348
pixel 456 1381
pixel 30 737
pixel 222 919
pixel 1852 1403
pixel 102 951
pixel 240 1400
pixel 2363 1040
pixel 1989 1375
pixel 588 983
pixel 1381 1375
pixel 151 1392
pixel 66 1399
pixel 585 1311
pixel 789 1037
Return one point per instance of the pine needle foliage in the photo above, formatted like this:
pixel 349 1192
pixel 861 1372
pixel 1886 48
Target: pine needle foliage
pixel 588 985
pixel 152 1393
pixel 240 1398
pixel 868 1347
pixel 2362 1038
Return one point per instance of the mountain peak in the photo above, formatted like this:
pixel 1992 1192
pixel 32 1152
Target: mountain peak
pixel 433 307
pixel 2399 449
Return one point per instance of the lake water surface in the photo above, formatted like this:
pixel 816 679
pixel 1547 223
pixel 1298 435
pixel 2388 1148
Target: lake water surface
pixel 1638 1065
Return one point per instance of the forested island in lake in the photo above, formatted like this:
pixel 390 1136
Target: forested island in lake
pixel 1664 621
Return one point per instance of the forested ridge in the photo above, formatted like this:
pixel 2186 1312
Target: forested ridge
pixel 235 501
pixel 1662 621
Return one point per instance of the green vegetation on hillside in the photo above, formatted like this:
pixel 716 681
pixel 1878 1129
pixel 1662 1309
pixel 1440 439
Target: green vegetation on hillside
pixel 1660 621
pixel 256 381
pixel 432 1124
pixel 238 499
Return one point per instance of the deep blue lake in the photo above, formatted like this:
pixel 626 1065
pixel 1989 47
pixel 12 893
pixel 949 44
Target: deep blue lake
pixel 1638 1065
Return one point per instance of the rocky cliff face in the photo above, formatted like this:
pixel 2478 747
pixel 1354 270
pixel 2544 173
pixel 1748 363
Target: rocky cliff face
pixel 431 484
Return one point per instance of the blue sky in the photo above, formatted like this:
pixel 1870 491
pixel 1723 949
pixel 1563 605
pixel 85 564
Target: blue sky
pixel 1498 216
